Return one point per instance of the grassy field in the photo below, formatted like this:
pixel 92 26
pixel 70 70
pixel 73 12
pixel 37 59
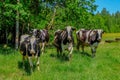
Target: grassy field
pixel 105 66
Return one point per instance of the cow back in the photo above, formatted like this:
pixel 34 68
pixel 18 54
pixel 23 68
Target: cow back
pixel 89 36
pixel 46 35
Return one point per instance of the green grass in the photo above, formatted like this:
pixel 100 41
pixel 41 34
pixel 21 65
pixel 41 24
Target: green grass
pixel 105 66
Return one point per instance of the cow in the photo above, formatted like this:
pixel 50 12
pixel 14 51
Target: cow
pixel 43 36
pixel 29 48
pixel 62 38
pixel 89 38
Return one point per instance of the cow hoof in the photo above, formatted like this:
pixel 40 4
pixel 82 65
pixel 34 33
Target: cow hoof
pixel 58 55
pixel 38 69
pixel 24 67
pixel 93 56
pixel 42 53
pixel 63 54
pixel 66 58
pixel 69 58
pixel 31 71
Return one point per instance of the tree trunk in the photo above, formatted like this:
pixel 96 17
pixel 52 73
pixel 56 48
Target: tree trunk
pixel 17 29
pixel 50 25
pixel 6 36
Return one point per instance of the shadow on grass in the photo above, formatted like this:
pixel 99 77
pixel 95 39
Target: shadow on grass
pixel 27 67
pixel 82 53
pixel 62 58
pixel 85 54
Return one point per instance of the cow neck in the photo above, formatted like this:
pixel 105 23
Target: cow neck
pixel 63 35
pixel 95 39
pixel 64 38
pixel 97 35
pixel 89 35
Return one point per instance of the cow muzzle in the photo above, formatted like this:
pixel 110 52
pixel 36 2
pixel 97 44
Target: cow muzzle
pixel 99 40
pixel 69 39
pixel 32 52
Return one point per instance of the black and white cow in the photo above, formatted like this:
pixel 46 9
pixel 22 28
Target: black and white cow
pixel 89 38
pixel 43 36
pixel 29 48
pixel 62 38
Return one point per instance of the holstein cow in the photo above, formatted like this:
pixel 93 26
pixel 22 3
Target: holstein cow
pixel 43 36
pixel 89 38
pixel 62 38
pixel 29 48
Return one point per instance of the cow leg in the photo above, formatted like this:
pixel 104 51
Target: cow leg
pixel 43 45
pixel 70 49
pixel 93 49
pixel 38 63
pixel 78 45
pixel 31 64
pixel 70 53
pixel 82 46
pixel 23 62
pixel 58 52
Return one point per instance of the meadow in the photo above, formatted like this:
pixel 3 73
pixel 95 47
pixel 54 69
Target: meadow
pixel 105 66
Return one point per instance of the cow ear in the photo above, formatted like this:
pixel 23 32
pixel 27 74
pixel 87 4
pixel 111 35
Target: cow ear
pixel 103 31
pixel 30 32
pixel 73 29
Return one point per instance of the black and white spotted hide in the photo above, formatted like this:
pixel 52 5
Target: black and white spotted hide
pixel 89 38
pixel 63 40
pixel 43 38
pixel 30 49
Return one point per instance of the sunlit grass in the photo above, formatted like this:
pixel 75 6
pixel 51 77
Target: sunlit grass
pixel 110 35
pixel 105 66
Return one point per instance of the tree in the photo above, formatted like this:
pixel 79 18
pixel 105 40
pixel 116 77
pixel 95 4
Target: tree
pixel 17 28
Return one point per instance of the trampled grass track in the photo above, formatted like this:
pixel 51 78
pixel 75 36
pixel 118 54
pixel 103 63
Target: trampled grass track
pixel 105 66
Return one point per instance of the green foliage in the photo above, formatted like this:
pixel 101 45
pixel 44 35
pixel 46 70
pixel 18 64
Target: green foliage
pixel 56 14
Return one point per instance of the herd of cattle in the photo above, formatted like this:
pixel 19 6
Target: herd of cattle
pixel 32 45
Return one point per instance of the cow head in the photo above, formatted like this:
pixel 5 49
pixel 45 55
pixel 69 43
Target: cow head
pixel 99 33
pixel 34 32
pixel 69 31
pixel 32 45
pixel 96 35
pixel 41 35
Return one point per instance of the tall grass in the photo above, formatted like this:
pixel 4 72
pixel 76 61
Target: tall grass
pixel 105 66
